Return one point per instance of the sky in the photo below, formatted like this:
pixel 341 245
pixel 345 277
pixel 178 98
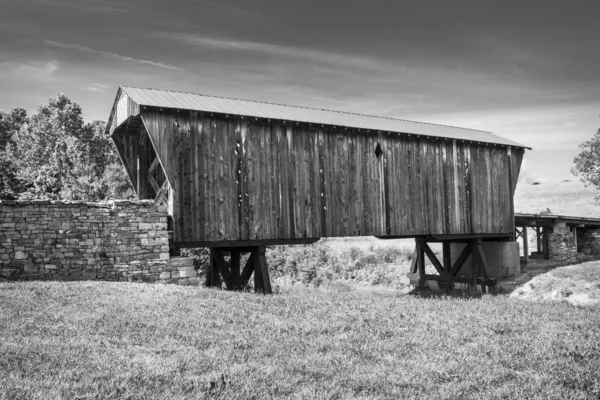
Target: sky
pixel 526 70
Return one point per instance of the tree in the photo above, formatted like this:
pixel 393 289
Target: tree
pixel 10 123
pixel 40 148
pixel 97 171
pixel 55 155
pixel 587 163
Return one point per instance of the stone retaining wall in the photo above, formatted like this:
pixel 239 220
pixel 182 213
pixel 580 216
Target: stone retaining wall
pixel 589 240
pixel 562 244
pixel 115 241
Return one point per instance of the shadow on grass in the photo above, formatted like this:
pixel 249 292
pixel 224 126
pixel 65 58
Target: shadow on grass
pixel 504 287
pixel 443 294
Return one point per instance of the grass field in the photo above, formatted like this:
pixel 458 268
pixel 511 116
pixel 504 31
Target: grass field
pixel 562 198
pixel 138 341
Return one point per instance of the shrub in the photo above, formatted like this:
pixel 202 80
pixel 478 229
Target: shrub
pixel 320 263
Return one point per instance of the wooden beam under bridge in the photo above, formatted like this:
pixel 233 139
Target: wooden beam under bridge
pixel 232 275
pixel 447 272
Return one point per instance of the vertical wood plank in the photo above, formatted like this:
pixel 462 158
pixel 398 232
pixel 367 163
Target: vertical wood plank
pixel 456 189
pixel 189 204
pixel 317 182
pixel 239 178
pixel 511 220
pixel 488 195
pixel 322 181
pixel 344 184
pixel 329 181
pixel 360 182
pixel 194 178
pixel 142 167
pixel 291 180
pixel 276 180
pixel 525 245
pixel 368 188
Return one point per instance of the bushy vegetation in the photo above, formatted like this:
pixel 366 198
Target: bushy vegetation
pixel 587 162
pixel 321 264
pixel 318 263
pixel 53 154
pixel 98 340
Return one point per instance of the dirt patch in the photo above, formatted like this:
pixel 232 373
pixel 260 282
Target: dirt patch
pixel 576 284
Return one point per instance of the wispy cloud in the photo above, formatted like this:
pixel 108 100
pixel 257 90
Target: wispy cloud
pixel 282 51
pixel 95 87
pixel 120 57
pixel 88 6
pixel 33 70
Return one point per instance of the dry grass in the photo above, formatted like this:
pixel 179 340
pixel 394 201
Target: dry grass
pixel 139 341
pixel 563 198
pixel 576 284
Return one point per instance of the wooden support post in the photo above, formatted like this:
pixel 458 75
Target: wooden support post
pixel 420 263
pixel 258 283
pixel 421 259
pixel 236 281
pixel 447 260
pixel 436 263
pixel 481 260
pixel 414 266
pixel 525 245
pixel 546 244
pixel 222 267
pixel 446 257
pixel 230 272
pixel 142 170
pixel 247 272
pixel 213 271
pixel 462 258
pixel 262 282
pixel 447 271
pixel 538 236
pixel 266 280
pixel 208 277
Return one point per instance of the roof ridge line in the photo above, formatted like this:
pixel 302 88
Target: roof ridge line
pixel 312 108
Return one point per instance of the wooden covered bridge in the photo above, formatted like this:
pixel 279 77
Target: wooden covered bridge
pixel 238 175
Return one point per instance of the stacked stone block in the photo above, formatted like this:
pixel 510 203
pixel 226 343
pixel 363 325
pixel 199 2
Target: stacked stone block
pixel 589 240
pixel 562 244
pixel 181 271
pixel 115 241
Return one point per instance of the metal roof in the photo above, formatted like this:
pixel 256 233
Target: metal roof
pixel 199 102
pixel 541 219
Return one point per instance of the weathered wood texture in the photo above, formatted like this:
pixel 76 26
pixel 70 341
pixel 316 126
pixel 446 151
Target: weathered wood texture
pixel 236 178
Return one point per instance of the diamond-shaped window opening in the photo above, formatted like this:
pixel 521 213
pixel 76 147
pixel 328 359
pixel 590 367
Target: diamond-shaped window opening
pixel 378 151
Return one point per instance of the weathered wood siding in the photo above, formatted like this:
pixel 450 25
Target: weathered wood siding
pixel 246 179
pixel 127 146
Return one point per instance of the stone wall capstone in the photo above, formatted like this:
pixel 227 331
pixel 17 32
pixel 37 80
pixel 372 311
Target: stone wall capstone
pixel 114 241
